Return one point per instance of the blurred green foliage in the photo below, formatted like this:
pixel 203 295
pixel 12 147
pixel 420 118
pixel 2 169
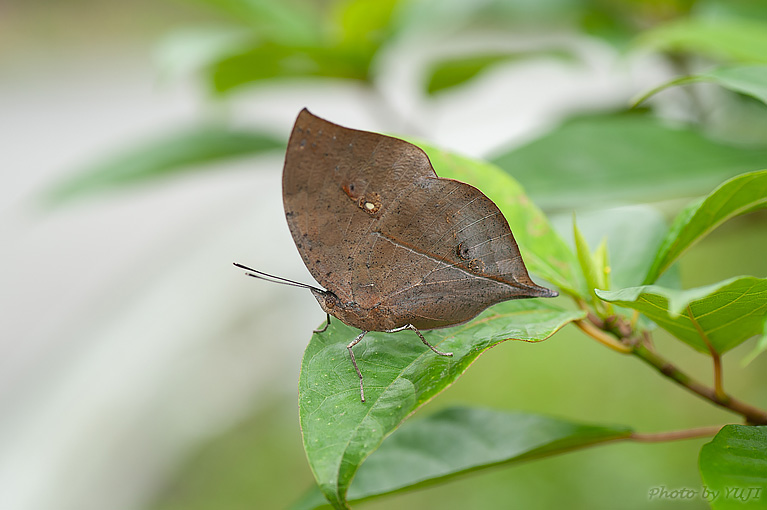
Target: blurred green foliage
pixel 596 158
pixel 612 155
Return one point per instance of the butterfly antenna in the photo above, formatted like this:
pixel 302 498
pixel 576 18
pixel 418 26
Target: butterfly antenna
pixel 275 279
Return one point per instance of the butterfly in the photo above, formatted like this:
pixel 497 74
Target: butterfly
pixel 395 246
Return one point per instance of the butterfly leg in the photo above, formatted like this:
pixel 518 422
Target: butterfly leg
pixel 326 326
pixel 354 361
pixel 411 327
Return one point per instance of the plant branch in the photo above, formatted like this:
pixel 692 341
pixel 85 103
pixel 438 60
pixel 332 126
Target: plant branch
pixel 602 337
pixel 752 414
pixel 618 334
pixel 718 384
pixel 675 435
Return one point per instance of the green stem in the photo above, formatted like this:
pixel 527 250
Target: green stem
pixel 602 337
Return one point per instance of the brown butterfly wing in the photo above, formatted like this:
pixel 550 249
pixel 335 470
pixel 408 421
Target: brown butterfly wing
pixel 376 226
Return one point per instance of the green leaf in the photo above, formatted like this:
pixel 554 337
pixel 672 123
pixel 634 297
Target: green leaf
pixel 750 80
pixel 400 375
pixel 602 264
pixel 455 71
pixel 742 194
pixel 730 40
pixel 622 157
pixel 729 312
pixel 734 466
pixel 460 440
pixel 449 73
pixel 172 154
pixel 587 262
pixel 544 252
pixel 263 61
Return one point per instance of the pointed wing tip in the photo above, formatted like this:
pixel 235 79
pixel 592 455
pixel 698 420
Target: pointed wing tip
pixel 305 113
pixel 543 292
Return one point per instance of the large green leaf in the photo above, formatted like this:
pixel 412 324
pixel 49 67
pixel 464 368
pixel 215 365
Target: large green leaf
pixel 750 80
pixel 544 252
pixel 460 440
pixel 730 40
pixel 623 157
pixel 729 312
pixel 734 468
pixel 171 154
pixel 400 375
pixel 742 194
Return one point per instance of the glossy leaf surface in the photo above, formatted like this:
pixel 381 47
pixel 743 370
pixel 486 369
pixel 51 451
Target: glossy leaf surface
pixel 734 466
pixel 728 312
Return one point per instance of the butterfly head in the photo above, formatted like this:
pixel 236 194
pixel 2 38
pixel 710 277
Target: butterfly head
pixel 348 313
